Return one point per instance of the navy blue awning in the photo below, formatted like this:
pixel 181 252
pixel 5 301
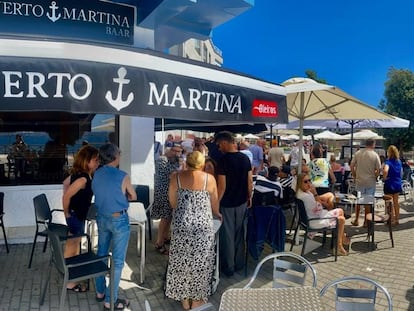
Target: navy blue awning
pixel 85 79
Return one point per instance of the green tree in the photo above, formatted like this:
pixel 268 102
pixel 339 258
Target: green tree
pixel 399 101
pixel 311 74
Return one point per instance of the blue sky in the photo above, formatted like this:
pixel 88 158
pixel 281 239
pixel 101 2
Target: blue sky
pixel 351 44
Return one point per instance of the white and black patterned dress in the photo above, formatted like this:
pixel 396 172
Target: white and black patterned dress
pixel 161 207
pixel 192 253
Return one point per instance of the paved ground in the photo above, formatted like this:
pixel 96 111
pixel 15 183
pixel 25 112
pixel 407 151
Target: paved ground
pixel 392 267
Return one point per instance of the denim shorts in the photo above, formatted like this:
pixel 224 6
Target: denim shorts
pixel 75 225
pixel 366 190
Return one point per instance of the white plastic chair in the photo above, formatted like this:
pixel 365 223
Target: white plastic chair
pixel 147 305
pixel 360 297
pixel 286 273
pixel 407 189
pixel 138 217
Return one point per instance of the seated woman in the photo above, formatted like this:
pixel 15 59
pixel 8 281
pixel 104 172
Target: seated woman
pixel 314 209
pixel 320 172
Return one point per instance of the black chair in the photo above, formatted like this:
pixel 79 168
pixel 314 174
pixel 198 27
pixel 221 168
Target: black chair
pixel 263 198
pixel 265 224
pixel 1 220
pixel 90 223
pixel 11 168
pixel 43 215
pixel 78 268
pixel 373 219
pixel 337 185
pixel 306 222
pixel 288 203
pixel 143 196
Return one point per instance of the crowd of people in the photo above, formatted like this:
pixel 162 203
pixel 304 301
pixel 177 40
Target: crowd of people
pixel 205 179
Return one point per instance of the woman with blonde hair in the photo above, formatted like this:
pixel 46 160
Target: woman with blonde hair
pixel 392 177
pixel 307 193
pixel 193 197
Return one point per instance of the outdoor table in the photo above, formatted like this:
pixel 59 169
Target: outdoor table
pixel 216 274
pixel 289 298
pixel 351 200
pixel 137 216
pixel 365 201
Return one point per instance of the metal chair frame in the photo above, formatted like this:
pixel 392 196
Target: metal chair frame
pixel 305 223
pixel 407 189
pixel 339 182
pixel 373 219
pixel 143 196
pixel 43 215
pixel 364 298
pixel 286 273
pixel 1 220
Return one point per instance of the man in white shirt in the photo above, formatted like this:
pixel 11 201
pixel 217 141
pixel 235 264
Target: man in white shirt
pixel 276 157
pixel 365 168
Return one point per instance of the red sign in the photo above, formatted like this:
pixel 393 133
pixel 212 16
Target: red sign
pixel 264 108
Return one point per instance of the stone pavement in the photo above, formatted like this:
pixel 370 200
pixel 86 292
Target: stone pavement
pixel 392 267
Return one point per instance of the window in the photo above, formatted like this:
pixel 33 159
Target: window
pixel 40 151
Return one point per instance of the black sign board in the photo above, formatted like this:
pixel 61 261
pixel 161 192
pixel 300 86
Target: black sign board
pixel 82 78
pixel 71 19
pixel 89 87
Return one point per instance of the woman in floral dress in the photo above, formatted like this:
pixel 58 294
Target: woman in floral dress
pixel 193 197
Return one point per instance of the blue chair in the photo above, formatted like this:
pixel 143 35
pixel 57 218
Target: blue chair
pixel 143 196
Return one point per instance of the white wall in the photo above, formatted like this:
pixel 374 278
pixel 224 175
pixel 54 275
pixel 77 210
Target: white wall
pixel 19 218
pixel 136 141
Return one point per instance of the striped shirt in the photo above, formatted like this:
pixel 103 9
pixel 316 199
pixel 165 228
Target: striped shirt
pixel 263 185
pixel 286 182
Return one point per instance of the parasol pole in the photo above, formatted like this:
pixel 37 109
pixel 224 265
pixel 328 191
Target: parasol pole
pixel 271 135
pixel 162 135
pixel 352 137
pixel 301 121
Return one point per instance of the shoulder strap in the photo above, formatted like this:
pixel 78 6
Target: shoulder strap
pixel 205 181
pixel 178 181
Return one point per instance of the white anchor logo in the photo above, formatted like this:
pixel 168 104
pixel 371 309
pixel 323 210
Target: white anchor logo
pixel 53 17
pixel 118 103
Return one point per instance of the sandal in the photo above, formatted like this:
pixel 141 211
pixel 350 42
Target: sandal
pixel 161 249
pixel 341 253
pixel 78 288
pixel 346 240
pixel 100 299
pixel 186 304
pixel 120 304
pixel 355 223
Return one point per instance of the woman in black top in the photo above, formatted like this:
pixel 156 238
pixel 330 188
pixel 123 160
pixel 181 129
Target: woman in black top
pixel 77 196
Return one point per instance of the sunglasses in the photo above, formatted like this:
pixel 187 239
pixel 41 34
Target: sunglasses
pixel 306 181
